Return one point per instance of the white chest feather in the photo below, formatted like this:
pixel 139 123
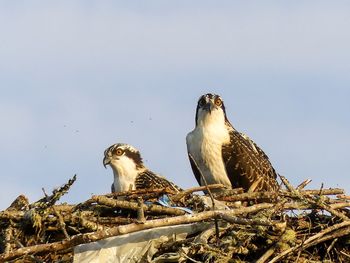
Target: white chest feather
pixel 125 174
pixel 123 183
pixel 204 144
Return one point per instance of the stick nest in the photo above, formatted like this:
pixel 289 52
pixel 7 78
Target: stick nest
pixel 292 225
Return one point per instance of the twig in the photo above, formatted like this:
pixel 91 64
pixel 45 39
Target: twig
pixel 140 211
pixel 345 254
pixel 267 255
pixel 316 237
pixel 18 243
pixel 8 237
pixel 330 191
pixel 61 223
pixel 19 204
pixel 339 205
pixel 228 192
pixel 90 225
pixel 273 195
pixel 318 203
pixel 331 245
pixel 189 258
pixel 182 194
pixel 142 192
pixel 303 184
pixel 134 206
pixel 249 196
pixel 321 188
pixel 343 196
pixel 245 221
pixel 338 233
pixel 48 201
pixel 11 215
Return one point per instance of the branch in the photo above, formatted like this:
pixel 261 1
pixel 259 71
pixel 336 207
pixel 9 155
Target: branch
pixel 317 238
pixel 48 201
pixel 143 192
pixel 249 196
pixel 135 206
pixel 245 221
pixel 182 194
pixel 317 203
pixel 330 191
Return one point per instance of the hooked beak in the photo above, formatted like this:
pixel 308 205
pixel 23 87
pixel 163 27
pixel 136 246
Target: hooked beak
pixel 106 161
pixel 208 107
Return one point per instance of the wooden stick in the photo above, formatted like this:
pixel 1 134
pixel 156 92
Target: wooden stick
pixel 303 184
pixel 313 238
pixel 311 201
pixel 182 194
pixel 142 192
pixel 228 192
pixel 11 215
pixel 245 221
pixel 8 237
pixel 48 201
pixel 134 206
pixel 61 222
pixel 340 205
pixel 249 196
pixel 330 191
pixel 264 258
pixel 343 196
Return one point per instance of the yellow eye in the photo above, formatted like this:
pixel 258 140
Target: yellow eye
pixel 218 102
pixel 119 152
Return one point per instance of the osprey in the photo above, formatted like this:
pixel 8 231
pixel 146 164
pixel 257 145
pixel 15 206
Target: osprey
pixel 129 170
pixel 223 155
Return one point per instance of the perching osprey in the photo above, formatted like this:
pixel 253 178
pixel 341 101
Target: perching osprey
pixel 224 155
pixel 129 171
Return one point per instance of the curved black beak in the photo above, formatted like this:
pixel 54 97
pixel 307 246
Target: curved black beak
pixel 106 161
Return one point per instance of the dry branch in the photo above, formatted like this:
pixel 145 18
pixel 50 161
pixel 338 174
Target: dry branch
pixel 135 206
pixel 249 196
pixel 182 194
pixel 244 221
pixel 317 238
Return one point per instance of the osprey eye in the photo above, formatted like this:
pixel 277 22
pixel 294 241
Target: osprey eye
pixel 218 102
pixel 119 152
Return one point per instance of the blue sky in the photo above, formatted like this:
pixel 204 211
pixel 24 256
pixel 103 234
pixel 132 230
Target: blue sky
pixel 79 76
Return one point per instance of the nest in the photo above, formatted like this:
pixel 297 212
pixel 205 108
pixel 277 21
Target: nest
pixel 292 225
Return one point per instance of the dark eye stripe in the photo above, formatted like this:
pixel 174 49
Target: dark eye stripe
pixel 202 101
pixel 136 156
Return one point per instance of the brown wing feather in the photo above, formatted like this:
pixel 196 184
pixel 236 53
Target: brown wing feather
pixel 149 180
pixel 195 170
pixel 247 165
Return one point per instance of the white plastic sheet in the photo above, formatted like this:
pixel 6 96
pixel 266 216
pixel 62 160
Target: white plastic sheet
pixel 133 247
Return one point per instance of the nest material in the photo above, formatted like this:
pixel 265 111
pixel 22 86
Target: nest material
pixel 292 225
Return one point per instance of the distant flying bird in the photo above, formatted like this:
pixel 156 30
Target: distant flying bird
pixel 224 155
pixel 129 170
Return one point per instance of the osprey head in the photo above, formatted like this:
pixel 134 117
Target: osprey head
pixel 210 106
pixel 122 156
